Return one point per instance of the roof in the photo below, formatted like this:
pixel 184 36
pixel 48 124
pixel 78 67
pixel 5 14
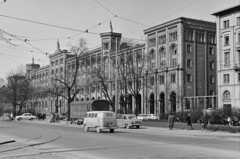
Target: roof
pixel 232 8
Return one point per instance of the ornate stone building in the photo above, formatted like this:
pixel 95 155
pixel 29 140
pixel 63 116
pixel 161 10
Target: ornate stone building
pixel 180 70
pixel 228 57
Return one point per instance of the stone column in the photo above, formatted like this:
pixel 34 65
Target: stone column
pixel 198 102
pixel 191 102
pixel 213 103
pixel 205 102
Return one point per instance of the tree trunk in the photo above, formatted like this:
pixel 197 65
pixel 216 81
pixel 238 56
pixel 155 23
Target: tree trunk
pixel 69 109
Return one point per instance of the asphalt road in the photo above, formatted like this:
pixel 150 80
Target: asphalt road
pixel 36 139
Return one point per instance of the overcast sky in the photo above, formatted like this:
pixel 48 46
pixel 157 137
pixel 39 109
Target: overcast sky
pixel 129 17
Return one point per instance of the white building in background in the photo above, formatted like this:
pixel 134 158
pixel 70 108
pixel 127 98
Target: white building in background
pixel 228 57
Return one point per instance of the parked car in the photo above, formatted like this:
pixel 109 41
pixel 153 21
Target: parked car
pixel 147 116
pixel 5 117
pixel 128 121
pixel 27 116
pixel 142 116
pixel 152 116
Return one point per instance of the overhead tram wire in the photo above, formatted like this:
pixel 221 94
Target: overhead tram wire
pixel 119 16
pixel 51 25
pixel 70 37
pixel 166 16
pixel 21 57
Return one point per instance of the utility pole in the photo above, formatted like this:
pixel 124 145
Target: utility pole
pixel 116 78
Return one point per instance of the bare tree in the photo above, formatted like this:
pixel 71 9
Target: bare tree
pixel 134 71
pixel 17 90
pixel 69 83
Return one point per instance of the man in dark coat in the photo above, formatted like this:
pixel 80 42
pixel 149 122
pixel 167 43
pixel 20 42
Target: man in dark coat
pixel 170 121
pixel 189 122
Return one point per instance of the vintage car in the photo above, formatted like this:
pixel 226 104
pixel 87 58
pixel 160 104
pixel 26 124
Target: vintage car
pixel 128 121
pixel 147 116
pixel 27 116
pixel 100 120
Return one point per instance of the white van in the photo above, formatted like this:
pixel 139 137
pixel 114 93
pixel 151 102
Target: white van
pixel 100 120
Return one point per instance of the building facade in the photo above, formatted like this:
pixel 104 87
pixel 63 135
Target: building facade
pixel 180 70
pixel 228 57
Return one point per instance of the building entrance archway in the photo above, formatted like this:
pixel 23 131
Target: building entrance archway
pixel 173 102
pixel 138 103
pixel 151 100
pixel 162 104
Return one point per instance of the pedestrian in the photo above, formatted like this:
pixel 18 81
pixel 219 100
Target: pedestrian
pixel 229 121
pixel 11 116
pixel 189 122
pixel 171 121
pixel 204 122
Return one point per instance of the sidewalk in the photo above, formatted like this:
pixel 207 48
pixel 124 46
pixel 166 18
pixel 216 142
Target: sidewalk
pixel 143 129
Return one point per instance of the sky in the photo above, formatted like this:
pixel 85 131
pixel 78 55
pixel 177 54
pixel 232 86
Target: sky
pixel 43 22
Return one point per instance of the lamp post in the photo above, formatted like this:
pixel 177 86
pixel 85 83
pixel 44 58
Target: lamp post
pixel 146 93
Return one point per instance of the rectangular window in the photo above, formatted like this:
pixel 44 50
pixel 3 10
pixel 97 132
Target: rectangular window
pixel 226 78
pixel 211 50
pixel 173 78
pixel 211 79
pixel 189 78
pixel 212 65
pixel 189 48
pixel 161 79
pixel 238 20
pixel 151 81
pixel 174 62
pixel 225 24
pixel 61 61
pixel 227 58
pixel 212 92
pixel 152 42
pixel 189 63
pixel 105 46
pixel 226 40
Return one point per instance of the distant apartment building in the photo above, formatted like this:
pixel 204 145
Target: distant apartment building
pixel 228 57
pixel 180 70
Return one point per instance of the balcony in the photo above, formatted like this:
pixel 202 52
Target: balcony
pixel 236 67
pixel 238 46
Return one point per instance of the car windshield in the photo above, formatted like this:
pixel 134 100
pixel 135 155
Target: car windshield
pixel 132 117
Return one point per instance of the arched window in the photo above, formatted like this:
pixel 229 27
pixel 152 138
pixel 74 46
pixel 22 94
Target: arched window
pixel 173 50
pixel 226 95
pixel 52 72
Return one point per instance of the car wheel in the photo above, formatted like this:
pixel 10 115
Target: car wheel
pixel 111 130
pixel 19 119
pixel 85 128
pixel 128 126
pixel 98 129
pixel 137 127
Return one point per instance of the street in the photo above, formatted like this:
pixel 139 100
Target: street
pixel 38 139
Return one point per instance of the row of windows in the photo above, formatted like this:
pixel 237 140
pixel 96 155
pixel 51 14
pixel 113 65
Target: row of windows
pixel 190 78
pixel 226 78
pixel 200 36
pixel 190 64
pixel 55 63
pixel 227 25
pixel 162 39
pixel 210 49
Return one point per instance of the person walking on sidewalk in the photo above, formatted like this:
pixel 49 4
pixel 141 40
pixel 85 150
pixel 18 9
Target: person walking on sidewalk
pixel 189 122
pixel 171 121
pixel 204 122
